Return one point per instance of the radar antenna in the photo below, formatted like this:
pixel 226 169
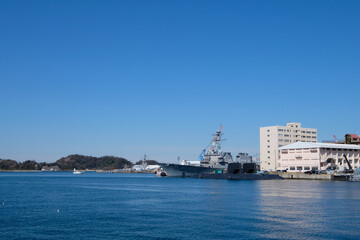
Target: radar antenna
pixel 214 146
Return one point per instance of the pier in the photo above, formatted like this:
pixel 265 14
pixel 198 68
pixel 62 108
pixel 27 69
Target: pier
pixel 307 176
pixel 304 176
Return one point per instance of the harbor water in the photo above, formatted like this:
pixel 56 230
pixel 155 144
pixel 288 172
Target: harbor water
pixel 61 205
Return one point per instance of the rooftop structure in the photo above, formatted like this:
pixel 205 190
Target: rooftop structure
pixel 352 139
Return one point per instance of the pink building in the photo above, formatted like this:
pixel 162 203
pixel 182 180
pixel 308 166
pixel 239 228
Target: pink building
pixel 305 156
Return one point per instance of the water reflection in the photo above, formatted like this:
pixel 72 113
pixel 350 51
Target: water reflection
pixel 133 207
pixel 307 209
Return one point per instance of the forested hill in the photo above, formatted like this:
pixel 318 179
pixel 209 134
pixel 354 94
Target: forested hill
pixel 8 164
pixel 70 162
pixel 148 162
pixel 87 162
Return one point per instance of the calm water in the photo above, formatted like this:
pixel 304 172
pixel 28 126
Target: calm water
pixel 141 206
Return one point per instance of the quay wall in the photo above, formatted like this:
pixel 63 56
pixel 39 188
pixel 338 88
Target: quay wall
pixel 306 176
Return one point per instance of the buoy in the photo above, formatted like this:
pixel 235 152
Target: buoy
pixel 3 203
pixel 58 210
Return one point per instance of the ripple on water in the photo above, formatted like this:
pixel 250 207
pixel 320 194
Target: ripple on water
pixel 123 206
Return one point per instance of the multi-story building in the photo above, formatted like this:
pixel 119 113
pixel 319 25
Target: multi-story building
pixel 302 156
pixel 273 137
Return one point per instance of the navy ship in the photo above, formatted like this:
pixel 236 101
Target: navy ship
pixel 211 160
pixel 215 164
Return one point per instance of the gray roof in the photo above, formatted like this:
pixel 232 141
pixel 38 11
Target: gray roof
pixel 298 145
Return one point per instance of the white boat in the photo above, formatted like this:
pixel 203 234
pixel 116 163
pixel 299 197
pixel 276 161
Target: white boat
pixel 355 177
pixel 77 171
pixel 160 173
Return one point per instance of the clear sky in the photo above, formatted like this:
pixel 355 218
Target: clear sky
pixel 128 78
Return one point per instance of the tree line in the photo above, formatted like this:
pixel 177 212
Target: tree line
pixel 69 163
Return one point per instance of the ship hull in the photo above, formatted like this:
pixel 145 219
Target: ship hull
pixel 177 170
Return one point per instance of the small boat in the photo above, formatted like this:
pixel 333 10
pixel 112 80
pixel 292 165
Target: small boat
pixel 355 177
pixel 160 173
pixel 77 171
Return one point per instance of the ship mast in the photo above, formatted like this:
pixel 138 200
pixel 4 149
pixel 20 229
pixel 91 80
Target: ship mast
pixel 214 147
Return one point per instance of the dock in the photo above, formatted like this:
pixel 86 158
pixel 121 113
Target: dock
pixel 328 177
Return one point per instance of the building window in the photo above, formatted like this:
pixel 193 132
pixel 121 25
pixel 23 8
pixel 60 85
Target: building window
pixel 268 135
pixel 268 130
pixel 299 168
pixel 268 140
pixel 292 168
pixel 306 168
pixel 268 157
pixel 268 151
pixel 268 146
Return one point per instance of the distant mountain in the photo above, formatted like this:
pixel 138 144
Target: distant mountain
pixel 148 162
pixel 70 162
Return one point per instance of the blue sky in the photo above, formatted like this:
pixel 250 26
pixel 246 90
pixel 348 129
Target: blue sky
pixel 128 78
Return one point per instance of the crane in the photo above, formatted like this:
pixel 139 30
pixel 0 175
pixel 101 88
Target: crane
pixel 348 163
pixel 335 138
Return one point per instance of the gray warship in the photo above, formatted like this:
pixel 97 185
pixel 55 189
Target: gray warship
pixel 211 160
pixel 213 163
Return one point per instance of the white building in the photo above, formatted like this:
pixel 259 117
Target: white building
pixel 138 168
pixel 305 156
pixel 150 168
pixel 273 137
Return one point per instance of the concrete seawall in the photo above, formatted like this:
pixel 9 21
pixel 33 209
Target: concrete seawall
pixel 306 176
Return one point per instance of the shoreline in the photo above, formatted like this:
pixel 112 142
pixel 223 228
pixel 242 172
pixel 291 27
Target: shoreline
pixel 97 171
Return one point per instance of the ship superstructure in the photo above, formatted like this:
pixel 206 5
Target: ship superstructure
pixel 212 156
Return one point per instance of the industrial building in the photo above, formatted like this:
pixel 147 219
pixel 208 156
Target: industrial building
pixel 274 137
pixel 305 156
